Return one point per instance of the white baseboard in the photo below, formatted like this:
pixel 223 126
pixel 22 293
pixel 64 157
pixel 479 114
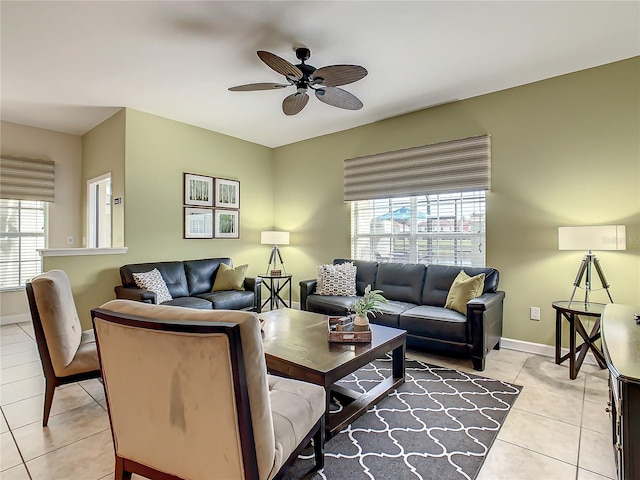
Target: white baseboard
pixel 19 318
pixel 539 349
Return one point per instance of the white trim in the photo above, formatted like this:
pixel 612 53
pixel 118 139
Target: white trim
pixel 91 206
pixel 539 349
pixel 74 252
pixel 17 318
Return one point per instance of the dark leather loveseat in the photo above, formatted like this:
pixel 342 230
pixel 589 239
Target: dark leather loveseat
pixel 417 294
pixel 190 283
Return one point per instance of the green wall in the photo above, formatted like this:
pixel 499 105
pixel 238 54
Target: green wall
pixel 103 151
pixel 156 153
pixel 565 151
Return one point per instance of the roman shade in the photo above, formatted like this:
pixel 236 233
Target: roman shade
pixel 462 165
pixel 27 179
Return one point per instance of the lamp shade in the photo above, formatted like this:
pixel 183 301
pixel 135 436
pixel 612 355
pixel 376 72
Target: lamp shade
pixel 274 238
pixel 596 237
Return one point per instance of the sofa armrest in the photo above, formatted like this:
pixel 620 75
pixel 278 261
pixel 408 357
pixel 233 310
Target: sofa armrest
pixel 254 284
pixel 137 294
pixel 485 301
pixel 484 321
pixel 307 287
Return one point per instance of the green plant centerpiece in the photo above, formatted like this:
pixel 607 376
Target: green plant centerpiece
pixel 369 303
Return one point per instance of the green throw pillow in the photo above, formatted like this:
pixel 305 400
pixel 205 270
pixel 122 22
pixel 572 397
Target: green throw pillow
pixel 229 278
pixel 463 289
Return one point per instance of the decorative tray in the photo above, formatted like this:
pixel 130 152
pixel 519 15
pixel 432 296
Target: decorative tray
pixel 342 329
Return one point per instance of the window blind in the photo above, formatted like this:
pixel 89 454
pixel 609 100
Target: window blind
pixel 462 165
pixel 27 179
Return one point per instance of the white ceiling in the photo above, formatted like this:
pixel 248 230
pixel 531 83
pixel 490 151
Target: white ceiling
pixel 67 66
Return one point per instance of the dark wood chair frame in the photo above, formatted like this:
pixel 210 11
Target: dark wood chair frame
pixel 124 467
pixel 51 379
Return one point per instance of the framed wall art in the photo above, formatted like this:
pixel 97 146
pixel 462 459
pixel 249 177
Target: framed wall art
pixel 198 190
pixel 227 224
pixel 198 222
pixel 227 193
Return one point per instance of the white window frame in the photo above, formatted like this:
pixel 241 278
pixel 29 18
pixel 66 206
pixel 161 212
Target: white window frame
pixel 445 229
pixel 25 254
pixel 99 218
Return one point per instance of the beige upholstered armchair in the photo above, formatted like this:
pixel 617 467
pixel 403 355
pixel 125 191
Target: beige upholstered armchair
pixel 189 396
pixel 67 353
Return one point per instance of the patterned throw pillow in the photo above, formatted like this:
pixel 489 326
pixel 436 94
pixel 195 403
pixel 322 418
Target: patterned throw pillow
pixel 153 282
pixel 337 279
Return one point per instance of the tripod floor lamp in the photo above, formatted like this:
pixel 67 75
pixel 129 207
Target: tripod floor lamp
pixel 597 237
pixel 275 238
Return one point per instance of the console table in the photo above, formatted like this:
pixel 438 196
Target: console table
pixel 621 346
pixel 571 311
pixel 275 284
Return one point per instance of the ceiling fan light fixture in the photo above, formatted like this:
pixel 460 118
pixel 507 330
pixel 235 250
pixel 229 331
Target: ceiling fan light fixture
pixel 305 76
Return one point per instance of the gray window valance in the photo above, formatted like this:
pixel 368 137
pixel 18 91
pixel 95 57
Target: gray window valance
pixel 27 179
pixel 462 165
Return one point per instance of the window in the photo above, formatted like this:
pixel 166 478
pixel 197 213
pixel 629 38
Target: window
pixel 22 233
pixel 447 229
pixel 99 212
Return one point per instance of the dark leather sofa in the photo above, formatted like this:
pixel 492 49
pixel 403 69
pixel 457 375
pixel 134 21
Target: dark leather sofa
pixel 417 294
pixel 190 283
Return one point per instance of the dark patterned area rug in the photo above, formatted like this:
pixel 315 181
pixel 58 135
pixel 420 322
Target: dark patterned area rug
pixel 440 424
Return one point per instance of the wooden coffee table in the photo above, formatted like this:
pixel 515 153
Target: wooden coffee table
pixel 296 346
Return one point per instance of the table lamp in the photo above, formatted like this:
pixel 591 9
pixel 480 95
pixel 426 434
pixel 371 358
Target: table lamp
pixel 275 238
pixel 596 237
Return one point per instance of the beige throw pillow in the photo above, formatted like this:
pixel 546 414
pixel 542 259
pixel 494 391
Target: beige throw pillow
pixel 230 278
pixel 153 282
pixel 463 289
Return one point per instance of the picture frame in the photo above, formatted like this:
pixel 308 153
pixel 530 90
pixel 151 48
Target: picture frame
pixel 227 224
pixel 227 193
pixel 198 190
pixel 198 222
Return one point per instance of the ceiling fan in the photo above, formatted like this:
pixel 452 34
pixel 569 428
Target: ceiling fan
pixel 323 81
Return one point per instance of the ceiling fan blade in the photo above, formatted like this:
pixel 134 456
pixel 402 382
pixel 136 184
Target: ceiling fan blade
pixel 258 86
pixel 294 103
pixel 280 65
pixel 335 75
pixel 338 97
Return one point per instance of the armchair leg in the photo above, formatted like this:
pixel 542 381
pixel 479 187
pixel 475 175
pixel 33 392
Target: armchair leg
pixel 120 473
pixel 48 400
pixel 318 446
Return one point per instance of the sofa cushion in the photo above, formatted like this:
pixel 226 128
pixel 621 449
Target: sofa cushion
pixel 329 304
pixel 439 279
pixel 229 299
pixel 365 273
pixel 190 302
pixel 401 281
pixel 153 281
pixel 229 278
pixel 435 322
pixel 201 274
pixel 337 279
pixel 463 289
pixel 390 313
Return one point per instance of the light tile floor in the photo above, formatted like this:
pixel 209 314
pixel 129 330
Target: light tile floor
pixel 557 429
